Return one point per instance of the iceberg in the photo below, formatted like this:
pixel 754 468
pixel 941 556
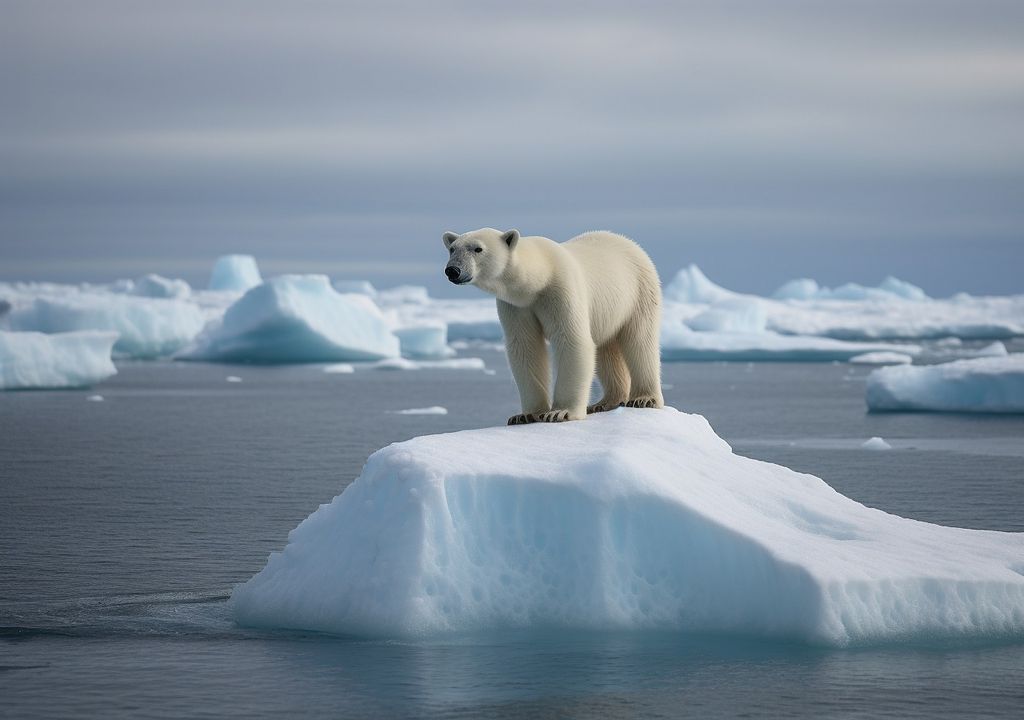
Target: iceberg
pixel 296 319
pixel 236 273
pixel 731 316
pixel 157 286
pixel 355 287
pixel 690 285
pixel 146 327
pixel 679 342
pixel 424 341
pixel 32 360
pixel 890 287
pixel 432 410
pixel 470 363
pixel 629 519
pixel 988 384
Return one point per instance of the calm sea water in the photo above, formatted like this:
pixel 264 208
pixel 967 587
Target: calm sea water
pixel 125 523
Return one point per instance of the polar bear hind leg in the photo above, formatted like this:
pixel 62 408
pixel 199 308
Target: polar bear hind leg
pixel 614 376
pixel 642 354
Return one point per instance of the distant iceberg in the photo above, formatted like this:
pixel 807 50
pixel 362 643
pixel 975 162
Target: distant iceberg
pixel 890 287
pixel 690 285
pixel 236 273
pixel 679 342
pixel 989 384
pixel 628 519
pixel 296 319
pixel 157 286
pixel 31 360
pixel 882 358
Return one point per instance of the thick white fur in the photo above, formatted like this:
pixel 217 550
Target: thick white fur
pixel 595 298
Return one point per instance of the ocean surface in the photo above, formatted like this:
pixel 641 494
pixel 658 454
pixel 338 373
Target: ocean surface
pixel 125 523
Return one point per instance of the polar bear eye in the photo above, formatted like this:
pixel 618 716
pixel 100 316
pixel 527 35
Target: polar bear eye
pixel 478 249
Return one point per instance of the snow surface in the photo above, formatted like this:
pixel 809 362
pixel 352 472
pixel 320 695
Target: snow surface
pixel 295 319
pixel 432 410
pixel 31 360
pixel 882 358
pixel 236 273
pixel 876 443
pixel 990 384
pixel 629 519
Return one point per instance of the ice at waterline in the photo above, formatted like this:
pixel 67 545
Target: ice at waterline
pixel 628 519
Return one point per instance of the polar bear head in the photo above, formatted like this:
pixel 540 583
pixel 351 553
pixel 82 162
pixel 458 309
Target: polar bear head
pixel 479 257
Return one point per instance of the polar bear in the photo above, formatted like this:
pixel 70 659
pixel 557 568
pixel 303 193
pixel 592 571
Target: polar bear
pixel 596 298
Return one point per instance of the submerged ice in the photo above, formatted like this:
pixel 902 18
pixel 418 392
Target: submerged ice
pixel 629 519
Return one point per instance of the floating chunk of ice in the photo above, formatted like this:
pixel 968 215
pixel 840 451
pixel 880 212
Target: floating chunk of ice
pixel 450 364
pixel 432 410
pixel 876 443
pixel 294 319
pixel 339 369
pixel 95 398
pixel 882 358
pixel 739 315
pixel 237 273
pixel 628 519
pixel 233 379
pixel 993 384
pixel 31 360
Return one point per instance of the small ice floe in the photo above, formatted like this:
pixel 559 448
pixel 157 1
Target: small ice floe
pixel 339 369
pixel 876 443
pixel 991 384
pixel 432 410
pixel 882 358
pixel 450 364
pixel 95 398
pixel 233 379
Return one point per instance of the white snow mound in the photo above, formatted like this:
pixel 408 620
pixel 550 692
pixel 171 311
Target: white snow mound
pixel 294 319
pixel 31 360
pixel 986 384
pixel 629 519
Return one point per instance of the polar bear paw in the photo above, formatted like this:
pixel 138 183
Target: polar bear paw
pixel 602 406
pixel 644 402
pixel 522 419
pixel 554 416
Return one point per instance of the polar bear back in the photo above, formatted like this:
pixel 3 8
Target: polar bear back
pixel 619 278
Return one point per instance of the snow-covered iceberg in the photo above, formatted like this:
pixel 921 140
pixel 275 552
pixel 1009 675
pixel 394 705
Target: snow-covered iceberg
pixel 236 273
pixel 988 384
pixel 891 287
pixel 31 360
pixel 157 286
pixel 146 327
pixel 295 319
pixel 629 519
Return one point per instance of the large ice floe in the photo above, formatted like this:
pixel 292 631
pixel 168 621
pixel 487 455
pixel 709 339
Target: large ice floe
pixel 986 384
pixel 31 360
pixel 629 519
pixel 147 327
pixel 296 319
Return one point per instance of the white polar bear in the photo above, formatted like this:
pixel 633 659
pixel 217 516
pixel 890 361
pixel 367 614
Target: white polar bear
pixel 595 298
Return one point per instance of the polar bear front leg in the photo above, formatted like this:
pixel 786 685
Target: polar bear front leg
pixel 528 360
pixel 574 367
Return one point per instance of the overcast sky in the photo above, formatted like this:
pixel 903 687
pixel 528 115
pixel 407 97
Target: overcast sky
pixel 761 140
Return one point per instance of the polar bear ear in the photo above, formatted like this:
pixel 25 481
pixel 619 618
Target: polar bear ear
pixel 511 237
pixel 448 238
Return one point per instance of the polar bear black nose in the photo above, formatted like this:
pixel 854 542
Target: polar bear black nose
pixel 452 272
